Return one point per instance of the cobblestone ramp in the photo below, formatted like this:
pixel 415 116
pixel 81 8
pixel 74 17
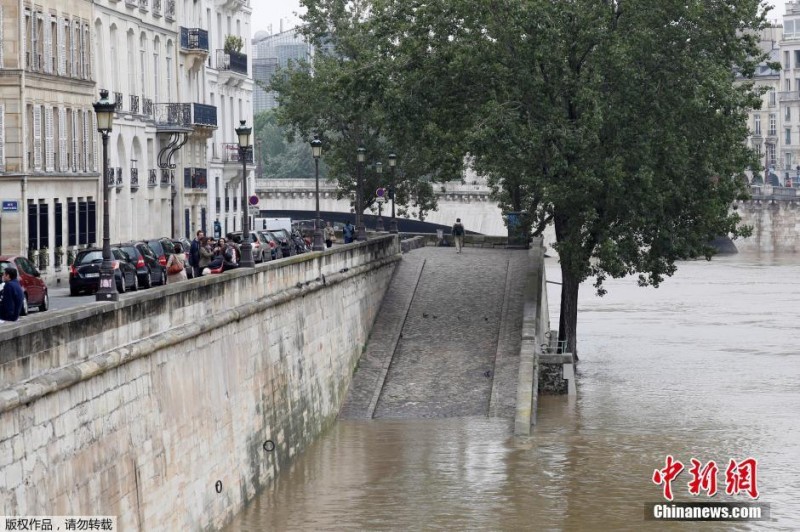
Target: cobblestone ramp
pixel 374 362
pixel 458 352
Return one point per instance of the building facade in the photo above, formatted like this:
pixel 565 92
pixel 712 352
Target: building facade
pixel 179 96
pixel 49 178
pixel 271 53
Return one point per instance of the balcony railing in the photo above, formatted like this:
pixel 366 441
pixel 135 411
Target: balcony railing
pixel 156 8
pixel 152 178
pixel 185 115
pixel 204 115
pixel 143 5
pixel 119 177
pixel 195 178
pixel 233 61
pixel 134 104
pixel 147 107
pixel 232 154
pixel 118 101
pixel 167 177
pixel 194 39
pixel 131 3
pixel 169 10
pixel 110 179
pixel 134 179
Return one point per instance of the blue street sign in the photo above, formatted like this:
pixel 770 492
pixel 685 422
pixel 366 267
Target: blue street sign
pixel 380 192
pixel 10 206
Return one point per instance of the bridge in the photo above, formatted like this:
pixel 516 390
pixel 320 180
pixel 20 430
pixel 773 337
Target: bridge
pixel 172 407
pixel 773 212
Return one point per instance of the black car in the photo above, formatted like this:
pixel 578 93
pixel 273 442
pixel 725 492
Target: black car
pixel 285 240
pixel 149 270
pixel 162 248
pixel 84 274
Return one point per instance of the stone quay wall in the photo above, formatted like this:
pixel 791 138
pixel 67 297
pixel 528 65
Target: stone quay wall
pixel 774 215
pixel 172 407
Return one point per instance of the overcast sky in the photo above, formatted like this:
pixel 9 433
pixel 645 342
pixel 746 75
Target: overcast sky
pixel 266 12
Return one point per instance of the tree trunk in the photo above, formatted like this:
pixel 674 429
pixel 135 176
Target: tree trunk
pixel 568 317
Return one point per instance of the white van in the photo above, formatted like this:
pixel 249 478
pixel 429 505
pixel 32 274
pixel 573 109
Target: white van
pixel 272 224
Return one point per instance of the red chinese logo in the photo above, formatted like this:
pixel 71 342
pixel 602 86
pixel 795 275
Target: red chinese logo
pixel 704 478
pixel 742 477
pixel 667 475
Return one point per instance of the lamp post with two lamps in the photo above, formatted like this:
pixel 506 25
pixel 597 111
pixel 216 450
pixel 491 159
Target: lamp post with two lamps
pixel 316 151
pixel 246 247
pixel 104 111
pixel 392 164
pixel 361 231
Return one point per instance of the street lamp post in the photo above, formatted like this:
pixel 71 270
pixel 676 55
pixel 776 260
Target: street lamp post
pixel 379 171
pixel 361 231
pixel 392 164
pixel 104 111
pixel 316 151
pixel 247 248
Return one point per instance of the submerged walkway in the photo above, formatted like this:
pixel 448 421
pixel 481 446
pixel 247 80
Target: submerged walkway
pixel 446 340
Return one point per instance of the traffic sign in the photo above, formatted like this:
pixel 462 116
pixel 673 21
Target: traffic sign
pixel 253 210
pixel 380 199
pixel 253 200
pixel 10 206
pixel 380 192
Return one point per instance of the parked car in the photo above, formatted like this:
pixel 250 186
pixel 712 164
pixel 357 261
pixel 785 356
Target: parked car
pixel 149 270
pixel 187 248
pixel 285 241
pixel 36 295
pixel 84 274
pixel 255 242
pixel 162 248
pixel 272 243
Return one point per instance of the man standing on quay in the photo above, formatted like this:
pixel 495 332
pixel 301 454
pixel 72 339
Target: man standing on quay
pixel 458 235
pixel 12 297
pixel 194 254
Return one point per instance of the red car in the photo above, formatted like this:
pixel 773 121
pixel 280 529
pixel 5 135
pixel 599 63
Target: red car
pixel 31 281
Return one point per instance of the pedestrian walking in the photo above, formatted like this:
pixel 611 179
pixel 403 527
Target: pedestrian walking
pixel 330 235
pixel 11 298
pixel 206 254
pixel 176 266
pixel 458 235
pixel 194 253
pixel 348 231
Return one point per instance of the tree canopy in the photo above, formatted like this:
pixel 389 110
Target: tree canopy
pixel 616 120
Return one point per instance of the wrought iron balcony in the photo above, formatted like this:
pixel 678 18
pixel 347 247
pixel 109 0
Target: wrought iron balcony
pixel 195 178
pixel 184 116
pixel 131 3
pixel 167 177
pixel 152 178
pixel 233 61
pixel 143 5
pixel 195 39
pixel 110 177
pixel 147 107
pixel 232 154
pixel 169 10
pixel 118 101
pixel 156 8
pixel 134 104
pixel 119 178
pixel 134 179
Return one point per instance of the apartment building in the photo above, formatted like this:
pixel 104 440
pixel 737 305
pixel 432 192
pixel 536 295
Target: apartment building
pixel 49 179
pixel 271 53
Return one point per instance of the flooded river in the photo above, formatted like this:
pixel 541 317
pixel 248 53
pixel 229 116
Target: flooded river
pixel 706 367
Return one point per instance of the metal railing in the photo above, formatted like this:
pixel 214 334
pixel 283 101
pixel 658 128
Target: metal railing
pixel 131 3
pixel 195 178
pixel 118 101
pixel 232 154
pixel 134 178
pixel 233 61
pixel 134 104
pixel 143 5
pixel 204 115
pixel 185 115
pixel 119 177
pixel 167 177
pixel 194 39
pixel 110 180
pixel 152 178
pixel 147 107
pixel 156 8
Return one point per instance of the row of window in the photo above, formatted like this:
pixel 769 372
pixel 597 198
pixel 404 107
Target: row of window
pixel 81 222
pixel 61 139
pixel 57 45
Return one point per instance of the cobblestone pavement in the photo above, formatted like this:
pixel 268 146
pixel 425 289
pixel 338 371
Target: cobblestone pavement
pixel 457 353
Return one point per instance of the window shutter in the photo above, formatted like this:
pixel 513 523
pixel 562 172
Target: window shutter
pixel 89 52
pixel 34 38
pixel 62 139
pixel 37 137
pixel 1 39
pixel 85 157
pixel 62 48
pixel 48 139
pixel 75 151
pixel 73 53
pixel 47 45
pixel 2 138
pixel 83 55
pixel 95 145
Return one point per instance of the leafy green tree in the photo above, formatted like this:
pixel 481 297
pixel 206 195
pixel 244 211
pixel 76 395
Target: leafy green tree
pixel 281 157
pixel 617 120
